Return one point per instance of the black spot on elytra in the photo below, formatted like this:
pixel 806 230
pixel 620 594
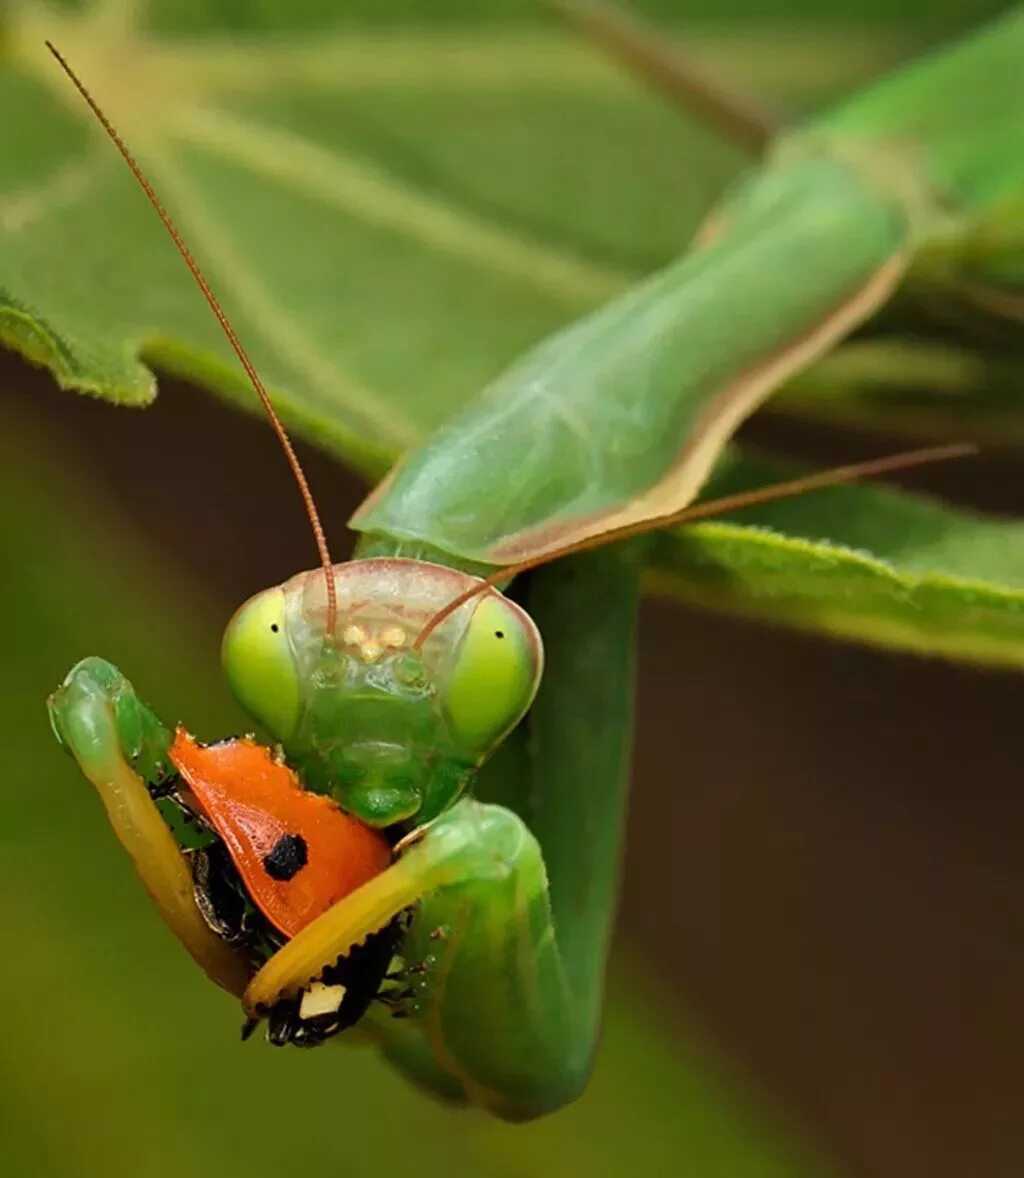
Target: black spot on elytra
pixel 499 633
pixel 286 858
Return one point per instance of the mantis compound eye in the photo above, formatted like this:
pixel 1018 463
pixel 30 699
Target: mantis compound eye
pixel 495 674
pixel 259 663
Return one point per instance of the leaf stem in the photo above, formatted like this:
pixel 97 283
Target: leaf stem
pixel 664 68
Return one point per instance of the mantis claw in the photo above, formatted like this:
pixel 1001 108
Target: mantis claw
pixel 459 846
pixel 110 732
pixel 411 839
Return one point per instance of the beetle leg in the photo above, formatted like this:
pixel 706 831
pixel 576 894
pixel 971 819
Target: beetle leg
pixel 477 874
pixel 121 747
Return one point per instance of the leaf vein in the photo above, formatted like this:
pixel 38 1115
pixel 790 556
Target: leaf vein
pixel 362 190
pixel 339 390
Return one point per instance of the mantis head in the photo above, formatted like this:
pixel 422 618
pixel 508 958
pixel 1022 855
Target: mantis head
pixel 393 728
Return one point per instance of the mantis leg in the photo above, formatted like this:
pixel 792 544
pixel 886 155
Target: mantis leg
pixel 506 953
pixel 490 994
pixel 121 745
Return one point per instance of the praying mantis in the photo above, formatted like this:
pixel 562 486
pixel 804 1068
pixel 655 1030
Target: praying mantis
pixel 397 683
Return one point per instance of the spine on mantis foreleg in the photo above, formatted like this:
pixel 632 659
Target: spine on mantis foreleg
pixel 619 418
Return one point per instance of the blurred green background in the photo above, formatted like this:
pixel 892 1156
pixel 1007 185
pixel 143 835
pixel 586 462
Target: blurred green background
pixel 819 969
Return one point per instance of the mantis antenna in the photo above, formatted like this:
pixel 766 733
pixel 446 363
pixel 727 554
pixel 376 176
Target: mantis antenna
pixel 786 490
pixel 250 369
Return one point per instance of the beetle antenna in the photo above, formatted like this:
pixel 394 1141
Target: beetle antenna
pixel 250 369
pixel 834 477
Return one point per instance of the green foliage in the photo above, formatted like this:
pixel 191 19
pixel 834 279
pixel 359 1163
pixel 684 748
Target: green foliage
pixel 862 562
pixel 370 204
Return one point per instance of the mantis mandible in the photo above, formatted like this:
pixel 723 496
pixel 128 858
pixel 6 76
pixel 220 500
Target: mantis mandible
pixel 389 681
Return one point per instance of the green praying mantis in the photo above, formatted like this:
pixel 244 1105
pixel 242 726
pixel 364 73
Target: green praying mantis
pixel 398 682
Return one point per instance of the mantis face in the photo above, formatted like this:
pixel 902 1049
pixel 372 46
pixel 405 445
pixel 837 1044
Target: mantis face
pixel 392 730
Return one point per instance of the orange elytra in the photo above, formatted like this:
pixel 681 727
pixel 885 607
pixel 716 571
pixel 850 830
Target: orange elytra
pixel 297 852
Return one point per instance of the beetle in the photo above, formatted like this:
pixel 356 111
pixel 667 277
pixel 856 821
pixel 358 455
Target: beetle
pixel 274 857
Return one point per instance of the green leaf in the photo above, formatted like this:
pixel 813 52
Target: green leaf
pixel 377 211
pixel 857 562
pixel 390 216
pixel 932 391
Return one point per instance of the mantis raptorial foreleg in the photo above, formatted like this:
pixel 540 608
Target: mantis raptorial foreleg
pixel 121 746
pixel 512 903
pixel 482 949
pixel 482 952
